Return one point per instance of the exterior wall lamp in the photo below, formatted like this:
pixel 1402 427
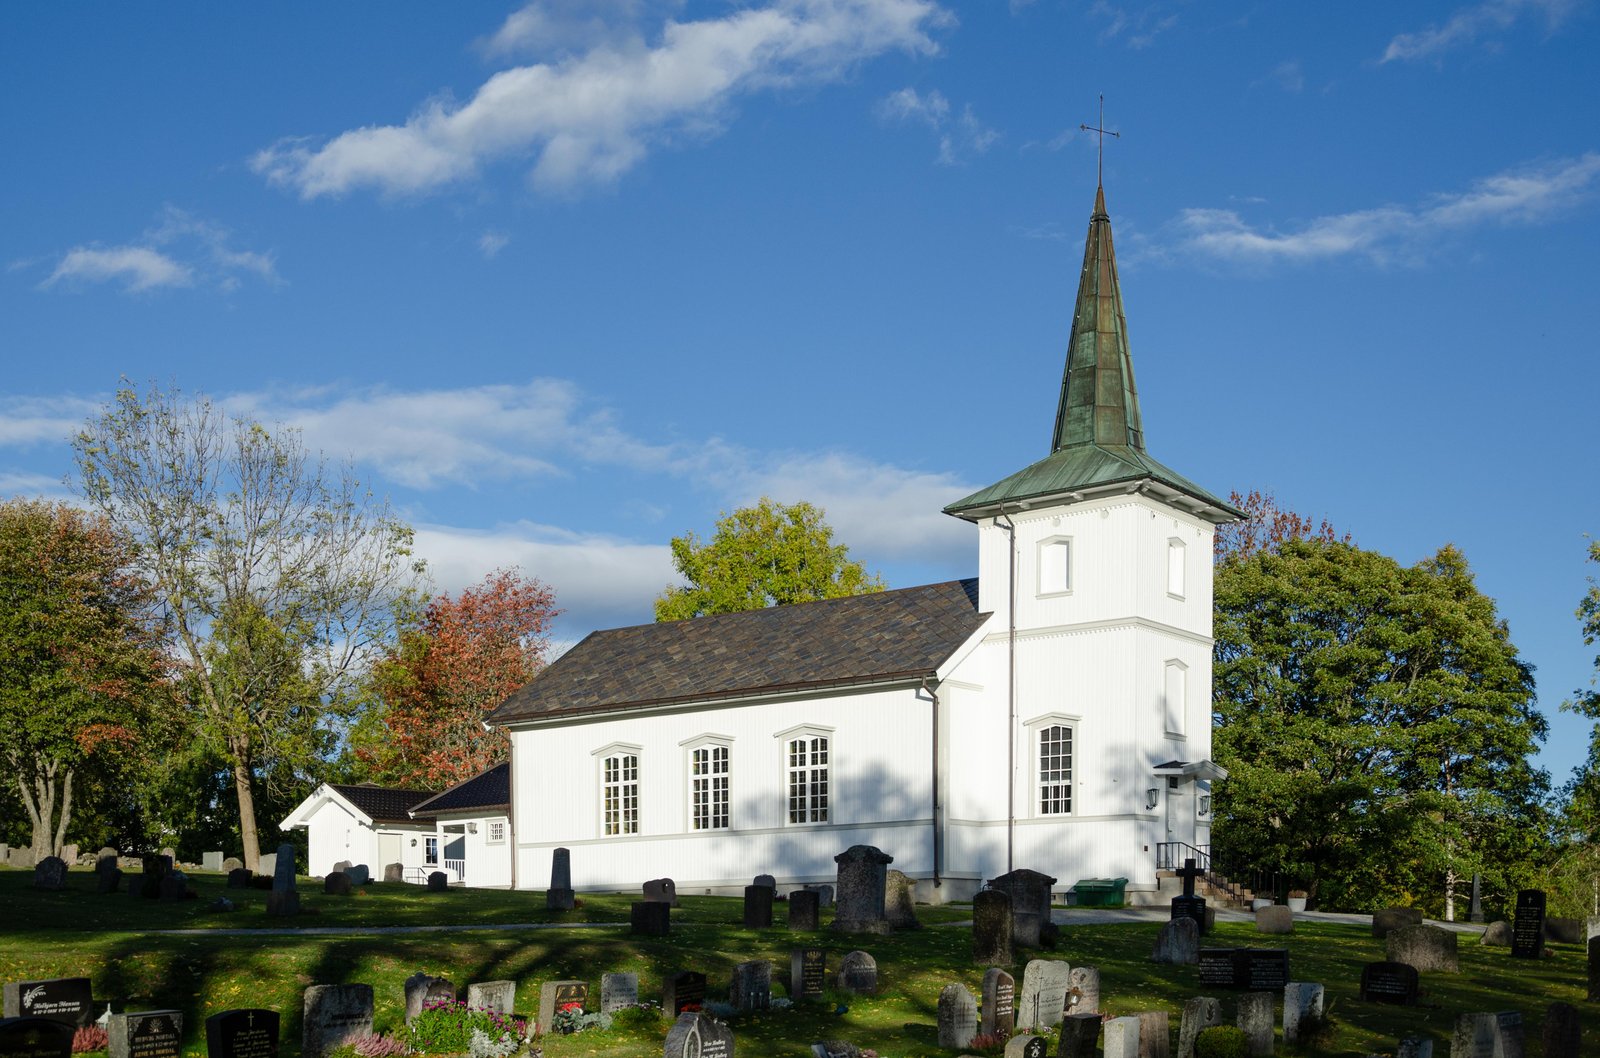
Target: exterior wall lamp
pixel 1151 797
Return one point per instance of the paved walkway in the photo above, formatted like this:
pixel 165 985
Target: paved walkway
pixel 1083 916
pixel 350 931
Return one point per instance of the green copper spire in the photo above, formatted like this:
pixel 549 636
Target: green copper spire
pixel 1099 402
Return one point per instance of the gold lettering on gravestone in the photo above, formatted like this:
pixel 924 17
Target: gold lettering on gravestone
pixel 571 992
pixel 155 1035
pixel 812 972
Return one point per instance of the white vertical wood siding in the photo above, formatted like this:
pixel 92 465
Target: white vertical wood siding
pixel 333 835
pixel 488 863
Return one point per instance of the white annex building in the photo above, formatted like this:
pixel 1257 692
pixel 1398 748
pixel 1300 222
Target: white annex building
pixel 1052 714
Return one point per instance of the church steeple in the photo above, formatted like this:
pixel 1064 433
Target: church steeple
pixel 1099 401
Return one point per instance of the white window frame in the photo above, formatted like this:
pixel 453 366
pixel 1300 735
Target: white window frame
pixel 803 777
pixel 1176 716
pixel 1177 567
pixel 430 850
pixel 490 838
pixel 1038 781
pixel 710 745
pixel 619 785
pixel 1044 562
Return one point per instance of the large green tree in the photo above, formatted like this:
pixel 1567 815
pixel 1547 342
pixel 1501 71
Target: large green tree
pixel 280 573
pixel 81 663
pixel 1583 792
pixel 1377 724
pixel 766 555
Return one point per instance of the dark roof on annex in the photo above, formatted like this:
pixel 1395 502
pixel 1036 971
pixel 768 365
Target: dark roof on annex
pixel 385 804
pixel 902 634
pixel 487 789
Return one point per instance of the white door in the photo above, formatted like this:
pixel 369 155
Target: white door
pixel 388 852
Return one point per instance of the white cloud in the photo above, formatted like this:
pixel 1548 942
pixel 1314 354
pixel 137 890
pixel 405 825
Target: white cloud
pixel 960 136
pixel 490 243
pixel 1471 24
pixel 1138 27
pixel 1287 75
pixel 1388 233
pixel 179 251
pixel 138 268
pixel 26 421
pixel 26 483
pixel 590 117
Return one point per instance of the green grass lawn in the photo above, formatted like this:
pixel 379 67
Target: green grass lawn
pixel 109 939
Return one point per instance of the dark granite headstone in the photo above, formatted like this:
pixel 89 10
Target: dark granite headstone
pixel 683 991
pixel 858 973
pixel 1475 909
pixel 1563 1032
pixel 63 999
pixel 108 880
pixel 757 906
pixel 618 991
pixel 999 1012
pixel 560 896
pixel 555 995
pixel 751 985
pixel 146 1034
pixel 1527 925
pixel 1594 969
pixel 338 884
pixel 863 872
pixel 650 918
pixel 1389 982
pixel 332 1016
pixel 661 891
pixel 284 898
pixel 248 1033
pixel 993 926
pixel 696 1035
pixel 1258 969
pixel 805 910
pixel 767 880
pixel 1564 930
pixel 438 882
pixel 1192 908
pixel 808 973
pixel 239 878
pixel 1030 903
pixel 175 887
pixel 1079 1032
pixel 50 873
pixel 958 1017
pixel 35 1038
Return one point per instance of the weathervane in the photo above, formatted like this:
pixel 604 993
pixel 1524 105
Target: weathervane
pixel 1100 167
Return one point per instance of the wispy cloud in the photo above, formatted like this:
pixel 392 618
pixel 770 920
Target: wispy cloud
pixel 1469 25
pixel 490 243
pixel 1137 26
pixel 960 136
pixel 26 421
pixel 180 250
pixel 1389 233
pixel 1287 75
pixel 591 115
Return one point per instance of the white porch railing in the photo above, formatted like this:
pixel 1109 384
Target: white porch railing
pixel 457 868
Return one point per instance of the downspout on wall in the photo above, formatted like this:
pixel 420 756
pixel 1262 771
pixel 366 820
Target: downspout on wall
pixel 1011 688
pixel 938 809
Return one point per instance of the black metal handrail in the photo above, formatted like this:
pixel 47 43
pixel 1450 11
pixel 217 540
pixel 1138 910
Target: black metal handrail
pixel 1171 854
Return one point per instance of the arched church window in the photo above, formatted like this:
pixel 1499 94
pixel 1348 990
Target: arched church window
pixel 620 794
pixel 808 779
pixel 708 787
pixel 1055 770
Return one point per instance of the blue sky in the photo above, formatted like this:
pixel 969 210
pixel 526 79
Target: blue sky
pixel 569 279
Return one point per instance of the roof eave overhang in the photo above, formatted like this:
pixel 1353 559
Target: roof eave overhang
pixel 1198 769
pixel 301 816
pixel 1205 508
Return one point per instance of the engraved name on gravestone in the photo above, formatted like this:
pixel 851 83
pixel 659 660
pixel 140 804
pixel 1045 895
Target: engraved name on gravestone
pixel 958 1017
pixel 858 973
pixel 146 1034
pixel 999 1003
pixel 1389 982
pixel 248 1033
pixel 618 991
pixel 63 999
pixel 1201 1012
pixel 332 1015
pixel 695 1035
pixel 808 969
pixel 683 991
pixel 1527 925
pixel 498 996
pixel 1044 993
pixel 35 1038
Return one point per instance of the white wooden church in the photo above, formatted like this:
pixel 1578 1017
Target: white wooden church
pixel 1054 713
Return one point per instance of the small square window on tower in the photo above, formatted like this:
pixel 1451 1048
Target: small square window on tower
pixel 1055 566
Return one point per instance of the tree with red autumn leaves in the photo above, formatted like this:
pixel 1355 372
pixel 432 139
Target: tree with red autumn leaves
pixel 433 688
pixel 1266 526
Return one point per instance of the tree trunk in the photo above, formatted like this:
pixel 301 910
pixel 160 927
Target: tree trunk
pixel 247 804
pixel 66 815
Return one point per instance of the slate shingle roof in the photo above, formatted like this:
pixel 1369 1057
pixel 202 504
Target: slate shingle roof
pixel 906 633
pixel 487 789
pixel 384 804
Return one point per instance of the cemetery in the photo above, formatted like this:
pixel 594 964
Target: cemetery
pixel 714 976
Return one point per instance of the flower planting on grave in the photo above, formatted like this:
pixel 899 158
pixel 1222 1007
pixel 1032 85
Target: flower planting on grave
pixel 571 1017
pixel 447 1027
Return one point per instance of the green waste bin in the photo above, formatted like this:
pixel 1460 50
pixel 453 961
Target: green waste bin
pixel 1100 892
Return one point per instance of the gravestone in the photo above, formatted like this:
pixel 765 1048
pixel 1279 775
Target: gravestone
pixel 682 991
pixel 232 863
pixel 283 900
pixel 1155 1034
pixel 359 875
pixel 1497 934
pixel 338 884
pixel 1594 968
pixel 169 854
pixel 135 886
pixel 63 999
pixel 554 995
pixel 438 882
pixel 342 865
pixel 993 926
pixel 499 996
pixel 1428 948
pixel 1254 968
pixel 211 861
pixel 35 1038
pixel 695 1035
pixel 70 854
pixel 858 973
pixel 267 864
pixel 999 1016
pixel 1083 990
pixel 1044 994
pixel 1488 1035
pixel 1527 925
pixel 1564 930
pixel 1390 919
pixel 560 897
pixel 21 859
pixel 1189 905
pixel 1178 942
pixel 50 873
pixel 661 891
pixel 1414 1047
pixel 1202 1012
pixel 1274 919
pixel 1122 1037
pixel 1562 1033
pixel 824 893
pixel 394 872
pixel 805 910
pixel 1079 1033
pixel 1030 903
pixel 108 880
pixel 899 901
pixel 835 1049
pixel 1389 982
pixel 422 989
pixel 1027 1045
pixel 650 918
pixel 958 1017
pixel 1253 1015
pixel 757 906
pixel 146 1034
pixel 863 874
pixel 618 991
pixel 1475 909
pixel 248 1033
pixel 808 973
pixel 1302 1001
pixel 174 887
pixel 239 878
pixel 332 1016
pixel 106 858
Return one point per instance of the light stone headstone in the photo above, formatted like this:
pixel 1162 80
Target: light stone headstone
pixel 899 901
pixel 1301 1001
pixel 394 872
pixel 1201 1012
pixel 422 989
pixel 751 986
pixel 1562 1032
pixel 499 996
pixel 1275 918
pixel 992 928
pixel 1389 919
pixel 1030 903
pixel 1497 934
pixel 211 861
pixel 1254 1016
pixel 1122 1037
pixel 1083 990
pixel 618 991
pixel 267 864
pixel 232 863
pixel 146 1034
pixel 560 896
pixel 334 1015
pixel 958 1017
pixel 1414 1047
pixel 1079 1033
pixel 695 1035
pixel 999 1003
pixel 1155 1034
pixel 1488 1036
pixel 1428 948
pixel 1026 1045
pixel 1178 942
pixel 1043 1000
pixel 824 893
pixel 863 874
pixel 858 973
pixel 661 891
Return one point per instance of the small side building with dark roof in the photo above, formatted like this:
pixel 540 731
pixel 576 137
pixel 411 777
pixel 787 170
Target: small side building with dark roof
pixel 365 824
pixel 473 824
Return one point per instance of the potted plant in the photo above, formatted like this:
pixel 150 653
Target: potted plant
pixel 1296 900
pixel 1260 902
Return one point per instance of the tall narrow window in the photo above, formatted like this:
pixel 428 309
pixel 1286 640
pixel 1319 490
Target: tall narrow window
pixel 1176 694
pixel 808 779
pixel 430 850
pixel 621 794
pixel 1175 561
pixel 708 787
pixel 1055 770
pixel 1055 566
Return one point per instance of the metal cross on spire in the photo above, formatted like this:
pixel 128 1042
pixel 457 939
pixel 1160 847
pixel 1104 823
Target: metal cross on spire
pixel 1100 168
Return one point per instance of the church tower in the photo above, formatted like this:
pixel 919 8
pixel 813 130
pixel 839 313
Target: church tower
pixel 1096 564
